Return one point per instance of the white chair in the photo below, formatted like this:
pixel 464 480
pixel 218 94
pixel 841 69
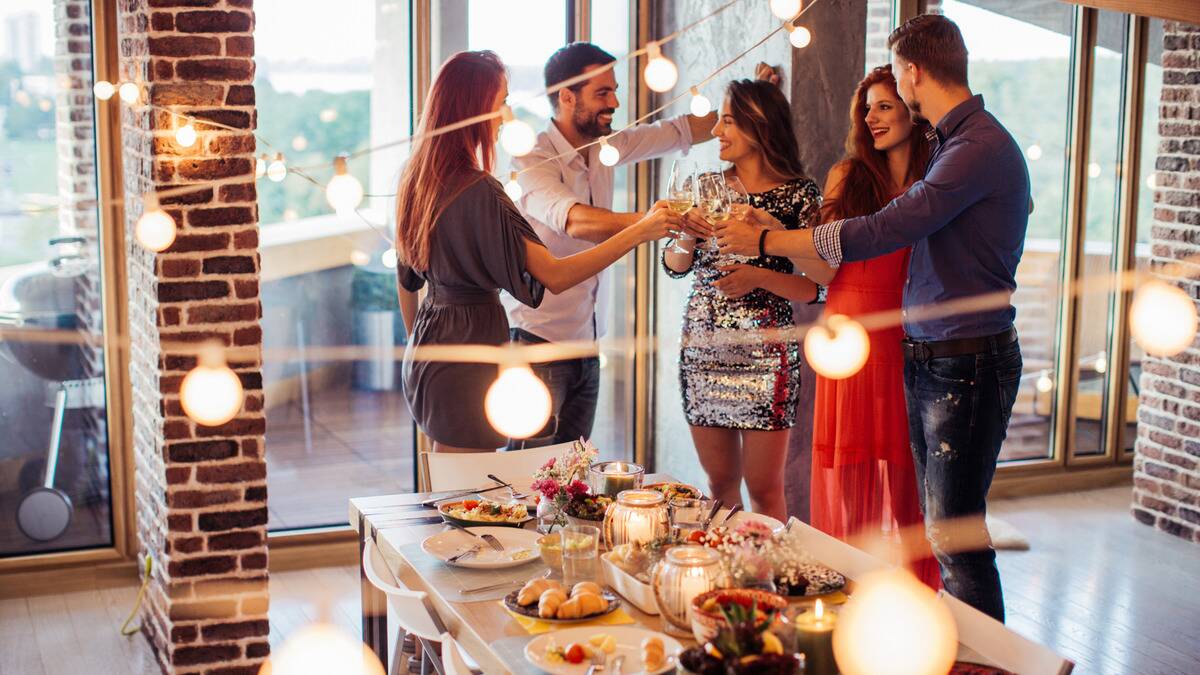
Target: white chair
pixel 999 645
pixel 410 608
pixel 834 553
pixel 464 471
pixel 453 661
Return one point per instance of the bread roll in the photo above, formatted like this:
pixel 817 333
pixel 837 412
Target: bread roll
pixel 590 603
pixel 533 589
pixel 571 609
pixel 654 654
pixel 550 603
pixel 586 587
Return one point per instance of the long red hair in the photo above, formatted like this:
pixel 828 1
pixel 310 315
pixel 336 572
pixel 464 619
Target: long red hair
pixel 866 187
pixel 444 165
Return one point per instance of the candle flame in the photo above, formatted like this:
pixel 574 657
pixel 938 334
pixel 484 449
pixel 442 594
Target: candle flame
pixel 820 610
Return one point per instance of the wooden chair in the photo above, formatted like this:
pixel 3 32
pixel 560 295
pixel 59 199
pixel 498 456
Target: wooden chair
pixel 411 610
pixel 835 553
pixel 999 645
pixel 463 471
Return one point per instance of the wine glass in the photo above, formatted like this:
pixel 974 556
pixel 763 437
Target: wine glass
pixel 714 200
pixel 739 202
pixel 681 196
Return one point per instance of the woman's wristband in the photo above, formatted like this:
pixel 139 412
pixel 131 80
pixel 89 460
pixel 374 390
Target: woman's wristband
pixel 762 243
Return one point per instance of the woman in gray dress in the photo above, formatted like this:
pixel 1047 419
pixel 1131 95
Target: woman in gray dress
pixel 459 234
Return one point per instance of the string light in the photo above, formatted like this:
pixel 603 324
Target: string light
pixel 1044 384
pixel 103 89
pixel 1094 170
pixel 290 214
pixel 798 36
pixel 837 349
pixel 1151 181
pixel 517 404
pixel 785 9
pixel 343 192
pixel 277 170
pixel 211 393
pixel 260 166
pixel 609 155
pixel 45 105
pixel 1101 364
pixel 700 105
pixel 390 258
pixel 660 73
pixel 328 115
pixel 155 228
pixel 1034 152
pixel 1162 318
pixel 894 625
pixel 512 188
pixel 359 258
pixel 299 143
pixel 128 92
pixel 516 136
pixel 185 135
pixel 321 648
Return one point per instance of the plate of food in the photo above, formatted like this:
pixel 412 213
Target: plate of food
pixel 549 600
pixel 587 509
pixel 475 512
pixel 569 651
pixel 676 490
pixel 520 547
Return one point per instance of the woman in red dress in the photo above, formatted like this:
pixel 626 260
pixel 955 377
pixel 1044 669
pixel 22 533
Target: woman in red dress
pixel 863 483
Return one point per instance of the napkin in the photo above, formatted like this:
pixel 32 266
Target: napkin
pixel 537 627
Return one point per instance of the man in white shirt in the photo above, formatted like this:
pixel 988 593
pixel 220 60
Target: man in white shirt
pixel 568 200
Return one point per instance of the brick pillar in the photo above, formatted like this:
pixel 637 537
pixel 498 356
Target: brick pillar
pixel 1167 464
pixel 200 491
pixel 879 26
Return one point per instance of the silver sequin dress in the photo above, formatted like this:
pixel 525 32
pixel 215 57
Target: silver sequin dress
pixel 740 386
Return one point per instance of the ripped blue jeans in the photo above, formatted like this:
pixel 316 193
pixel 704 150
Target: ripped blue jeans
pixel 958 412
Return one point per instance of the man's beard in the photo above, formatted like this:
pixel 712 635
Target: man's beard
pixel 589 125
pixel 914 107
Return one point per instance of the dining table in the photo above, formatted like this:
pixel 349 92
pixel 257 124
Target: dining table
pixel 397 524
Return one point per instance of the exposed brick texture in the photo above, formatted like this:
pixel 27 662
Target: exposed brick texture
pixel 1166 491
pixel 201 491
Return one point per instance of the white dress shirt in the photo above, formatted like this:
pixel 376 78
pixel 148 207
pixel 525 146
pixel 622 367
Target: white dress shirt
pixel 550 190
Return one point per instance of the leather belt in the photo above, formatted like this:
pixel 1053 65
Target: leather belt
pixel 924 351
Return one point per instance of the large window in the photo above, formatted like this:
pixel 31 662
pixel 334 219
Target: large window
pixel 54 461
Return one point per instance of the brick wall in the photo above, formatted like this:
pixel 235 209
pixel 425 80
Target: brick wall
pixel 200 491
pixel 1167 463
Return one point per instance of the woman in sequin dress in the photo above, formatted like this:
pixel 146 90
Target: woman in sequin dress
pixel 740 399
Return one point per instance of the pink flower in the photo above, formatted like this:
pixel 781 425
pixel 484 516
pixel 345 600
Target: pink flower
pixel 577 488
pixel 753 528
pixel 549 464
pixel 547 486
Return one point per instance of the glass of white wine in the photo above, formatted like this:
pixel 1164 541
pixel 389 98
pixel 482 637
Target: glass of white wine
pixel 739 203
pixel 714 200
pixel 681 196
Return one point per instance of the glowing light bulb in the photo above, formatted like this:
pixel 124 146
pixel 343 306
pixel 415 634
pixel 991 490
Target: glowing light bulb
pixel 103 89
pixel 1034 152
pixel 516 137
pixel 660 73
pixel 894 625
pixel 290 214
pixel 1044 383
pixel 359 258
pixel 128 92
pixel 328 115
pixel 155 229
pixel 1162 318
pixel 277 170
pixel 518 403
pixel 260 166
pixel 700 105
pixel 512 188
pixel 299 143
pixel 1152 180
pixel 343 192
pixel 1094 170
pixel 211 393
pixel 23 98
pixel 390 258
pixel 609 155
pixel 320 648
pixel 45 105
pixel 1101 364
pixel 785 9
pixel 799 36
pixel 837 349
pixel 185 135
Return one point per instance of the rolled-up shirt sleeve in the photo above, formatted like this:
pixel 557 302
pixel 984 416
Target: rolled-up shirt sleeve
pixel 544 196
pixel 957 179
pixel 646 141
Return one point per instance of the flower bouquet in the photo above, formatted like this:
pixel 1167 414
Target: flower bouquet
pixel 561 480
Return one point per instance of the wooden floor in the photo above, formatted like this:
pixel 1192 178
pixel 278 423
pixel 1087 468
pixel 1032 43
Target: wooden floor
pixel 1111 594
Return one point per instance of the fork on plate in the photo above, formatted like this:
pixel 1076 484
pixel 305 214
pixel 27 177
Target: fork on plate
pixel 459 556
pixel 599 662
pixel 490 539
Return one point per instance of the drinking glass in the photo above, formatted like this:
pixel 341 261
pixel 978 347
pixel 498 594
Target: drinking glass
pixel 580 561
pixel 681 195
pixel 714 200
pixel 739 204
pixel 687 516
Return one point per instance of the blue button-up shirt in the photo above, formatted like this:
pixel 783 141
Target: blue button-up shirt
pixel 965 220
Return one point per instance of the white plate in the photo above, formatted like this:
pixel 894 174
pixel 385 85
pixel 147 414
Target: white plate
pixel 744 516
pixel 447 544
pixel 629 643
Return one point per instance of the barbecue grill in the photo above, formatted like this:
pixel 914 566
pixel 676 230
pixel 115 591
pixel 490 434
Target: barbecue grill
pixel 32 302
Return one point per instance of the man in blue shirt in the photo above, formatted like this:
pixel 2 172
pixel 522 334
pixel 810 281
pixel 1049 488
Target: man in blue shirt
pixel 966 222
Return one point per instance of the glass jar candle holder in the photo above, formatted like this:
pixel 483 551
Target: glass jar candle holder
pixel 613 478
pixel 685 572
pixel 637 517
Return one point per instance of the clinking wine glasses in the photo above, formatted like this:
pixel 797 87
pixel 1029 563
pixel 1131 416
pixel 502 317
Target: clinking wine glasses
pixel 713 195
pixel 681 196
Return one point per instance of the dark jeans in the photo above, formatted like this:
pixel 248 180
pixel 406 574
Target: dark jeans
pixel 574 390
pixel 958 412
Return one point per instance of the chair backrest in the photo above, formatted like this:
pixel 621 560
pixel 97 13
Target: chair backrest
pixel 410 608
pixel 463 471
pixel 834 553
pixel 453 662
pixel 1000 645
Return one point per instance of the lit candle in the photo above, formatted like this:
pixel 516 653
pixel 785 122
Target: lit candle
pixel 613 478
pixel 639 529
pixel 814 639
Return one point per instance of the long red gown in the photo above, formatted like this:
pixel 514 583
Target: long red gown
pixel 863 481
